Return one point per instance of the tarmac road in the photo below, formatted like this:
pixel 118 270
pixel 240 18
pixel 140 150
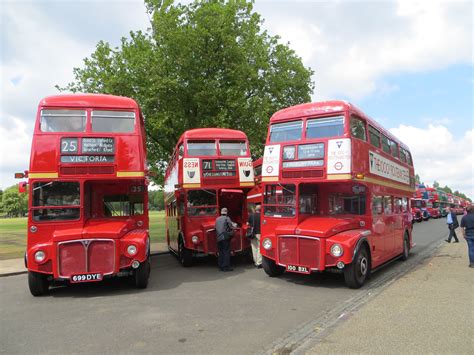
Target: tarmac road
pixel 192 310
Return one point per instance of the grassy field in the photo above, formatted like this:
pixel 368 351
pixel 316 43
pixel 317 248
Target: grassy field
pixel 13 234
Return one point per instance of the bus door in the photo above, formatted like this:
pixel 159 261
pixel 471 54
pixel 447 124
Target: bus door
pixel 381 235
pixel 234 200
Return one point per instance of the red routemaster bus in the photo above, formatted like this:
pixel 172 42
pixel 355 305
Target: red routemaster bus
pixel 336 191
pixel 210 168
pixel 88 202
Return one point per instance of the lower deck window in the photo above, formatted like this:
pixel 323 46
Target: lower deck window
pixel 346 204
pixel 123 205
pixel 280 200
pixel 59 200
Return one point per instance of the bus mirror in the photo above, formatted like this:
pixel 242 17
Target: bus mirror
pixel 22 187
pixel 20 175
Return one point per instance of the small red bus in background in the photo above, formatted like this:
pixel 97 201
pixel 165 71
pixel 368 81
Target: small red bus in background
pixel 210 168
pixel 336 191
pixel 431 202
pixel 88 201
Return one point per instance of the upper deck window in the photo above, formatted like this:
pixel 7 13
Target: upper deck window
pixel 288 131
pixel 232 148
pixel 63 120
pixel 385 144
pixel 113 121
pixel 325 127
pixel 201 148
pixel 374 136
pixel 358 128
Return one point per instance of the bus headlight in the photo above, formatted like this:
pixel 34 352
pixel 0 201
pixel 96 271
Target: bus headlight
pixel 40 256
pixel 131 249
pixel 337 250
pixel 267 244
pixel 195 239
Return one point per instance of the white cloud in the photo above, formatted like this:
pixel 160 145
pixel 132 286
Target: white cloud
pixel 352 45
pixel 440 156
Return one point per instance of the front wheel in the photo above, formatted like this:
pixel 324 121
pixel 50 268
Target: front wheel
pixel 357 272
pixel 37 283
pixel 406 248
pixel 142 274
pixel 271 268
pixel 185 256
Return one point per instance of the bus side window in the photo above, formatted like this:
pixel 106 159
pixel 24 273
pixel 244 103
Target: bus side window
pixel 405 204
pixel 387 204
pixel 358 128
pixel 374 136
pixel 376 205
pixel 398 205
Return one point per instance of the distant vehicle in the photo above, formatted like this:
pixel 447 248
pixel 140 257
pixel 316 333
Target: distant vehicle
pixel 210 168
pixel 336 190
pixel 88 216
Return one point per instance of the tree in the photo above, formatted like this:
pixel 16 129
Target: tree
pixel 206 64
pixel 156 200
pixel 417 179
pixel 14 204
pixel 435 184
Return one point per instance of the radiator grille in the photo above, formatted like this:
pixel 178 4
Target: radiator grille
pixel 294 250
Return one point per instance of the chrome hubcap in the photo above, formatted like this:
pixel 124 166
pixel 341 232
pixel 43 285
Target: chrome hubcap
pixel 363 266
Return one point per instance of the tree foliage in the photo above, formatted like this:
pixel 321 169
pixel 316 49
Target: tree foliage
pixel 13 203
pixel 206 64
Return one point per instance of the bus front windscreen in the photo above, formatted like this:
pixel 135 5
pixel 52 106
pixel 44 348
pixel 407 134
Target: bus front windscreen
pixel 280 200
pixel 202 203
pixel 58 201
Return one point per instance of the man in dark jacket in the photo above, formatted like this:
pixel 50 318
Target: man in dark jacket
pixel 254 222
pixel 224 232
pixel 452 222
pixel 467 227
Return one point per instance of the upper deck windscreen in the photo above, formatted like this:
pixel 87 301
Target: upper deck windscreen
pixel 202 148
pixel 233 148
pixel 288 131
pixel 63 121
pixel 325 127
pixel 113 121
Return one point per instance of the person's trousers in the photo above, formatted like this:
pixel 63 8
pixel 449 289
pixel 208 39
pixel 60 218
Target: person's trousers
pixel 470 249
pixel 452 233
pixel 223 260
pixel 255 243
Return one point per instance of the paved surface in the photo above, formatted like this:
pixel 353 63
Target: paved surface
pixel 430 310
pixel 194 310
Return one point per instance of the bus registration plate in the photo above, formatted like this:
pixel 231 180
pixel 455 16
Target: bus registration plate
pixel 86 278
pixel 298 269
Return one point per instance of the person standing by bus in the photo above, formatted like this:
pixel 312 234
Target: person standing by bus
pixel 224 231
pixel 467 227
pixel 254 222
pixel 452 222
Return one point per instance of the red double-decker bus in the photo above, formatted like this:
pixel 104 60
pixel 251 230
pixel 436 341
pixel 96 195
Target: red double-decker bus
pixel 88 202
pixel 210 168
pixel 336 190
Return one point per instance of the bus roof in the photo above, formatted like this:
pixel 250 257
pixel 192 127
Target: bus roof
pixel 89 100
pixel 213 133
pixel 327 107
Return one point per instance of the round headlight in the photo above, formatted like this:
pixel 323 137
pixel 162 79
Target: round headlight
pixel 132 249
pixel 40 256
pixel 336 250
pixel 195 239
pixel 140 223
pixel 267 244
pixel 33 229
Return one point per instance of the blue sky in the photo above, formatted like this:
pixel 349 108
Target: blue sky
pixel 407 64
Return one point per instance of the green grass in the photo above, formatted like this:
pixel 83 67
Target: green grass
pixel 12 238
pixel 13 234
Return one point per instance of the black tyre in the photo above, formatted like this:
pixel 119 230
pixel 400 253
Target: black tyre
pixel 271 268
pixel 37 283
pixel 185 256
pixel 406 248
pixel 356 273
pixel 142 274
